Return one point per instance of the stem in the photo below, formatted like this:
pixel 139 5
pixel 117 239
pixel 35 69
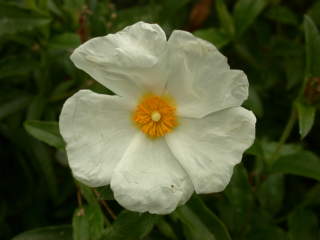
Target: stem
pixel 105 205
pixel 285 134
pixel 79 199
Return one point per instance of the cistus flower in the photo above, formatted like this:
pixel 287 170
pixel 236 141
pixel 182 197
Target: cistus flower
pixel 175 125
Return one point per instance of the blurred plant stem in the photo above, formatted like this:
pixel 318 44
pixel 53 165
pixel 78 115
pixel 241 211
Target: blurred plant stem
pixel 285 134
pixel 105 205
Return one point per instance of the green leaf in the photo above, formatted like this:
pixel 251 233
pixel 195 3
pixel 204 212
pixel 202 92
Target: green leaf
pixel 11 66
pixel 36 107
pixel 15 19
pixel 303 224
pixel 105 193
pixel 44 161
pixel 88 194
pixel 294 68
pixel 303 163
pixel 11 26
pixel 47 132
pixel 239 201
pixel 194 228
pixel 225 18
pixel 245 12
pixel 73 5
pixel 306 115
pixel 210 220
pixel 166 229
pixel 47 233
pixel 312 197
pixel 171 7
pixel 312 37
pixel 313 12
pixel 88 223
pixel 54 8
pixel 14 105
pixel 130 226
pixel 80 225
pixel 267 232
pixel 262 227
pixel 282 14
pixel 254 102
pixel 65 41
pixel 271 193
pixel 213 35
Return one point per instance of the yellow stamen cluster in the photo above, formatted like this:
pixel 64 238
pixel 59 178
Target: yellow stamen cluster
pixel 155 115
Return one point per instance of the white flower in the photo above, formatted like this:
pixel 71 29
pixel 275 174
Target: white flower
pixel 175 125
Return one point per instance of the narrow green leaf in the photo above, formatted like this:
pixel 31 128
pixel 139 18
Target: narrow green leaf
pixel 11 66
pixel 239 201
pixel 312 37
pixel 88 223
pixel 65 41
pixel 267 232
pixel 11 25
pixel 47 233
pixel 263 227
pixel 12 10
pixel 254 102
pixel 166 229
pixel 61 89
pixel 80 225
pixel 52 6
pixel 88 194
pixel 303 163
pixel 313 12
pixel 194 228
pixel 14 105
pixel 47 132
pixel 36 107
pixel 306 115
pixel 44 161
pixel 88 220
pixel 245 12
pixel 210 220
pixel 73 5
pixel 312 197
pixel 225 18
pixel 213 35
pixel 15 19
pixel 130 226
pixel 303 224
pixel 282 14
pixel 171 7
pixel 271 192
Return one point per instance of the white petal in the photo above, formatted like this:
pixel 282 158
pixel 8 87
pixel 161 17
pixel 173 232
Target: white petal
pixel 209 148
pixel 201 80
pixel 125 62
pixel 149 178
pixel 97 129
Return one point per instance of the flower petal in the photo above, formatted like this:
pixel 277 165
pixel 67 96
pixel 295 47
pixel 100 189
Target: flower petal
pixel 97 130
pixel 209 148
pixel 125 62
pixel 202 81
pixel 149 178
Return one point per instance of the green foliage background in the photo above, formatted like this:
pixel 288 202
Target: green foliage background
pixel 274 193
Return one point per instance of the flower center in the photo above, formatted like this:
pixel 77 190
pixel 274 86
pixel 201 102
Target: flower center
pixel 155 115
